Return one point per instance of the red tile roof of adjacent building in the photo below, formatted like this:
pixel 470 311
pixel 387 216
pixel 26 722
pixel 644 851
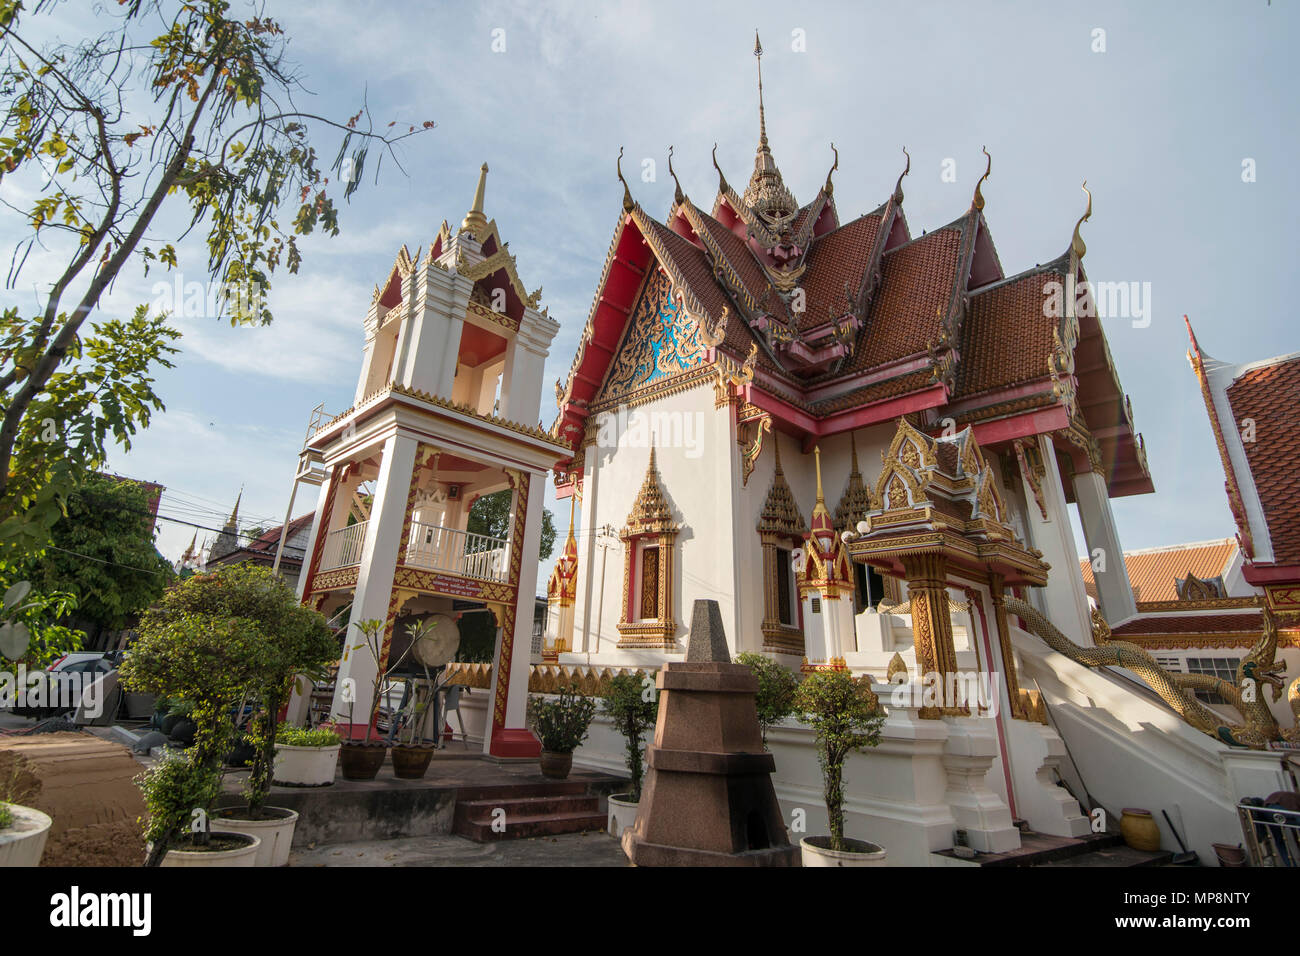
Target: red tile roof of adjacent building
pixel 1153 571
pixel 1269 395
pixel 1246 623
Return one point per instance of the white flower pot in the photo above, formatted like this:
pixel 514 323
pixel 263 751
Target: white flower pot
pixel 622 814
pixel 860 853
pixel 244 856
pixel 305 766
pixel 23 843
pixel 275 833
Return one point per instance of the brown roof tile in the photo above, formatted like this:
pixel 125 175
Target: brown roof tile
pixel 1005 338
pixel 1270 395
pixel 841 255
pixel 1190 624
pixel 1153 572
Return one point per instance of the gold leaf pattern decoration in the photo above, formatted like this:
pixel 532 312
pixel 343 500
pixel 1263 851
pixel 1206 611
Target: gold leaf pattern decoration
pixel 661 340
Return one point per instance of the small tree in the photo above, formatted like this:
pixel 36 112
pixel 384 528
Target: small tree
pixel 845 715
pixel 776 690
pixel 631 704
pixel 211 661
pixel 292 640
pixel 562 724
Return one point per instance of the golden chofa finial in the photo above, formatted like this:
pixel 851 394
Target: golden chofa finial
pixel 628 203
pixel 474 221
pixel 978 201
pixel 830 187
pixel 722 180
pixel 898 186
pixel 1076 244
pixel 678 196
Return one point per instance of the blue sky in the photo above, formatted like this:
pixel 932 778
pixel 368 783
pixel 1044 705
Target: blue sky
pixel 1159 124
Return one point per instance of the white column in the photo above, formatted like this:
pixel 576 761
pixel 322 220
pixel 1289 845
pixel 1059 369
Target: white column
pixel 375 575
pixel 1114 592
pixel 430 340
pixel 590 558
pixel 1065 602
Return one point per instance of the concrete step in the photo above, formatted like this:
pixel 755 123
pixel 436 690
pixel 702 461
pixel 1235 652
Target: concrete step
pixel 543 788
pixel 518 826
pixel 482 810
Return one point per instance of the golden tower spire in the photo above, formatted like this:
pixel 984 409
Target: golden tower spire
pixel 817 459
pixel 762 119
pixel 474 220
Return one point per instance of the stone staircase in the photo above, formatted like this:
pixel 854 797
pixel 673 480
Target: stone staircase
pixel 528 810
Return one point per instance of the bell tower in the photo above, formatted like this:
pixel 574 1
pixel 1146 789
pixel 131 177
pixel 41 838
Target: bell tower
pixel 445 412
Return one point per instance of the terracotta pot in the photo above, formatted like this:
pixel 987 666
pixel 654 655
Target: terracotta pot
pixel 817 852
pixel 243 855
pixel 410 761
pixel 622 813
pixel 275 832
pixel 23 842
pixel 1139 829
pixel 305 766
pixel 360 761
pixel 1229 856
pixel 555 765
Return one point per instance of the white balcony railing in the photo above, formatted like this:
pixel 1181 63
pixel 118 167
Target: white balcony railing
pixel 457 552
pixel 343 547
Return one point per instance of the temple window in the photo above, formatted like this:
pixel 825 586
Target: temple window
pixel 781 529
pixel 649 539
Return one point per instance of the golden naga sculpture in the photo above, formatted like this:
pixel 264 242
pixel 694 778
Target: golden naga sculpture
pixel 1260 665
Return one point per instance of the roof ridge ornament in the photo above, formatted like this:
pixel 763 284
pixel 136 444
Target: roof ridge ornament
pixel 977 202
pixel 830 187
pixel 898 186
pixel 679 197
pixel 628 203
pixel 722 179
pixel 1077 245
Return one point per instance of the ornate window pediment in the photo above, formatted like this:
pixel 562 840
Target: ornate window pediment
pixel 650 536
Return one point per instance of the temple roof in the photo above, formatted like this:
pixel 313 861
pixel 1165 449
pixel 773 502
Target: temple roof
pixel 1154 572
pixel 1252 410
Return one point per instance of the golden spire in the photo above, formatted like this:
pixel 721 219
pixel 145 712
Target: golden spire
pixel 1076 244
pixel 776 448
pixel 762 118
pixel 572 499
pixel 978 201
pixel 474 220
pixel 817 458
pixel 853 452
pixel 234 515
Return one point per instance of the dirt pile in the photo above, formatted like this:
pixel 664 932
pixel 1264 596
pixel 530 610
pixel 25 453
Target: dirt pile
pixel 85 784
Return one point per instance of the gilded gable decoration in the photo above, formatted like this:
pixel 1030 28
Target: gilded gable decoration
pixel 661 341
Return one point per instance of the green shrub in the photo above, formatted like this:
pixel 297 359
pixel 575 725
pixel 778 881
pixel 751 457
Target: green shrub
pixel 845 715
pixel 562 724
pixel 633 708
pixel 6 816
pixel 307 737
pixel 174 788
pixel 776 689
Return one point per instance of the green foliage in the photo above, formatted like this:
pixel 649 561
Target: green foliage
pixel 278 636
pixel 307 737
pixel 6 816
pixel 633 707
pixel 845 715
pixel 108 519
pixel 776 689
pixel 34 615
pixel 490 515
pixel 173 789
pixel 221 149
pixel 561 724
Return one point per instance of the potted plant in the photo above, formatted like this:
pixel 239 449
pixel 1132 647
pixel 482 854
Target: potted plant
pixel 411 735
pixel 293 640
pixel 306 757
pixel 776 689
pixel 845 715
pixel 561 725
pixel 209 660
pixel 361 759
pixel 630 702
pixel 23 831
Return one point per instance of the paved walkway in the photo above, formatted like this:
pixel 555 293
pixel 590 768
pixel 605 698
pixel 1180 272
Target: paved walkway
pixel 569 849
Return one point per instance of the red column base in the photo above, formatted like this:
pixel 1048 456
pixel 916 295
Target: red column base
pixel 514 742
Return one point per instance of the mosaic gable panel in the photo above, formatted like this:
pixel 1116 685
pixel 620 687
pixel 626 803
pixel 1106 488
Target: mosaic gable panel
pixel 661 341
